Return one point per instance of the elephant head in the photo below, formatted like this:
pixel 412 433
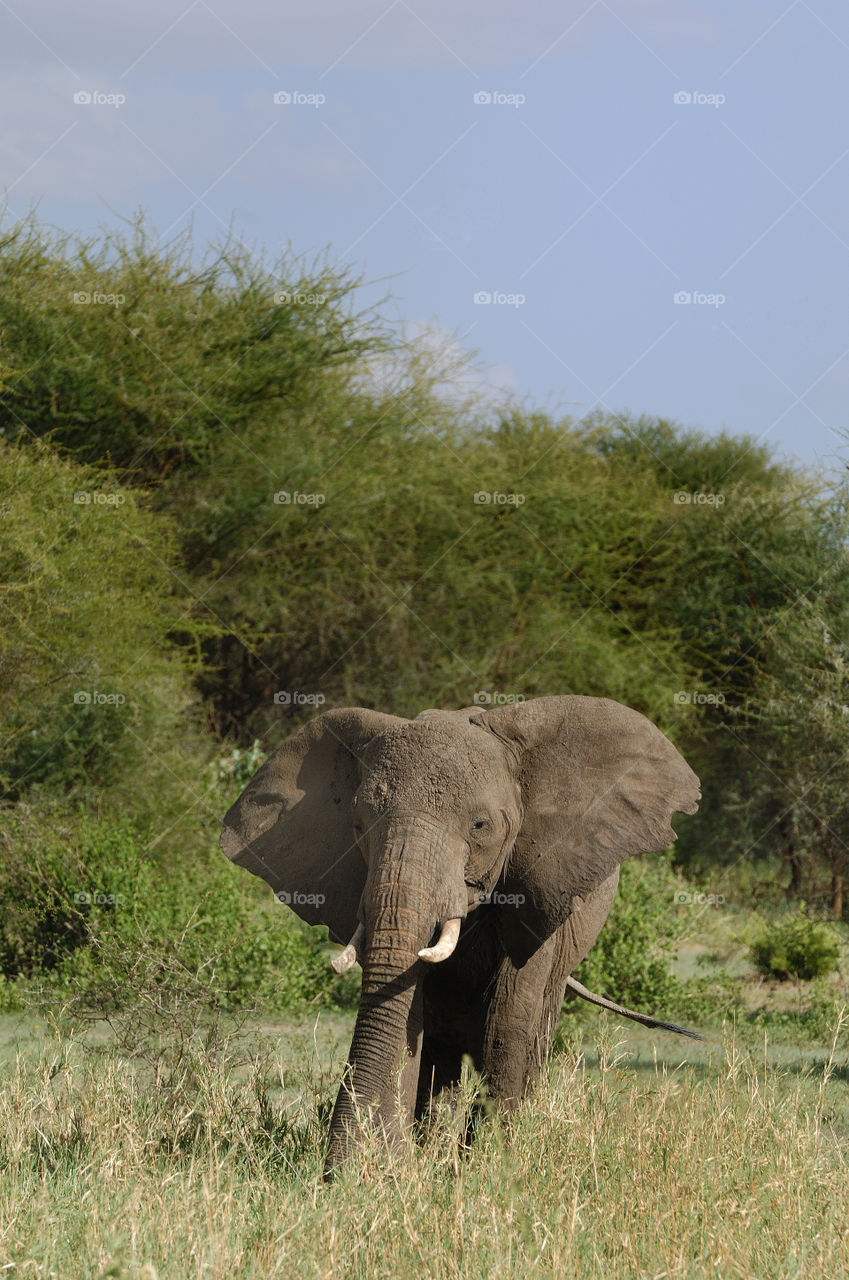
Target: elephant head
pixel 402 835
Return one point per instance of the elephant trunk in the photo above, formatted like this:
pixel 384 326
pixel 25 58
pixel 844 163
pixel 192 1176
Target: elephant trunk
pixel 404 900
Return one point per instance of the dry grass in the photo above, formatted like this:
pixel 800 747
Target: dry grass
pixel 726 1165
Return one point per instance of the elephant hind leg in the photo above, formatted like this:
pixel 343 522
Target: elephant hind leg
pixel 439 1080
pixel 439 1069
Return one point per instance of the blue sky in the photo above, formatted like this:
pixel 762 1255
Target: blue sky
pixel 582 197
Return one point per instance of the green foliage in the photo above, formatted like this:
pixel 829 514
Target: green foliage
pixel 687 460
pixel 128 350
pixel 794 946
pixel 774 763
pixel 631 961
pixel 59 884
pixel 89 911
pixel 817 1010
pixel 95 699
pixel 387 591
pixel 233 770
pixel 211 385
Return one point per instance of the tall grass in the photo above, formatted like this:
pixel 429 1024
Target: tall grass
pixel 726 1166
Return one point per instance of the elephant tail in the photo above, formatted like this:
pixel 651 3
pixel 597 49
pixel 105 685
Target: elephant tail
pixel 580 990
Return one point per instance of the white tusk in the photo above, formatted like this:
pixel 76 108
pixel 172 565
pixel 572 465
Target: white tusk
pixel 446 944
pixel 348 958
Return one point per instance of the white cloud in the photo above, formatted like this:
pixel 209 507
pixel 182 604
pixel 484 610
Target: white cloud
pixel 438 358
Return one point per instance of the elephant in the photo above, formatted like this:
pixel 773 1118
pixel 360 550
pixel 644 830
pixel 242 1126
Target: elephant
pixel 468 859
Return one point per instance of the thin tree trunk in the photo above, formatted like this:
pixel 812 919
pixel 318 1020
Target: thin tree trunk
pixel 790 854
pixel 837 894
pixel 794 888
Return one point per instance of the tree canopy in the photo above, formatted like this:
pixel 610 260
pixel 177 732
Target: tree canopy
pixel 231 497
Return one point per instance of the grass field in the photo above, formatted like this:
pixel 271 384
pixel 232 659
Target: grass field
pixel 639 1155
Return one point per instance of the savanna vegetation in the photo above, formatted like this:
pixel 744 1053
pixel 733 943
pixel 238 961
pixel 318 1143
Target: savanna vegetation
pixel 231 496
pixel 627 1164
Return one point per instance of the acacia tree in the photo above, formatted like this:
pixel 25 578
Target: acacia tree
pixel 803 730
pixel 96 701
pixel 776 778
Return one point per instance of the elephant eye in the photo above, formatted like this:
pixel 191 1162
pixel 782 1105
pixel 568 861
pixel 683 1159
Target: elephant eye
pixel 478 824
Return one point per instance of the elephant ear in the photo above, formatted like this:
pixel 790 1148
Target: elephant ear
pixel 292 823
pixel 600 783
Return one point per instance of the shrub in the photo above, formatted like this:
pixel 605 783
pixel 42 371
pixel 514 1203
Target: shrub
pixel 87 910
pixel 794 946
pixel 631 961
pixel 95 696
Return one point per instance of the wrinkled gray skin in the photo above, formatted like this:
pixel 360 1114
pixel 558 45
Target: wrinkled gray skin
pixel 402 825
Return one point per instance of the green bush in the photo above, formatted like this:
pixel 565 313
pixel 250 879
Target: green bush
pixel 96 698
pixel 177 358
pixel 794 946
pixel 61 880
pixel 632 960
pixel 89 911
